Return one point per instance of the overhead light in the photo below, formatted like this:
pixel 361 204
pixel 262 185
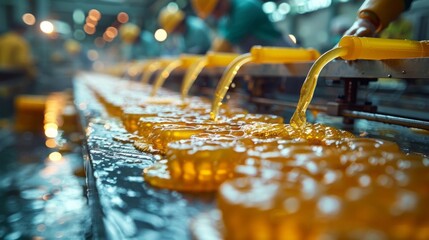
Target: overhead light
pixel 28 19
pixel 94 13
pixel 78 34
pixel 122 17
pixel 47 27
pixel 89 29
pixel 92 55
pixel 160 35
pixel 111 32
pixel 284 8
pixel 269 7
pixel 78 16
pixel 292 37
pixel 172 6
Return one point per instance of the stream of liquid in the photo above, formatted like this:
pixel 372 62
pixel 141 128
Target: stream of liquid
pixel 164 75
pixel 149 70
pixel 299 119
pixel 225 81
pixel 191 76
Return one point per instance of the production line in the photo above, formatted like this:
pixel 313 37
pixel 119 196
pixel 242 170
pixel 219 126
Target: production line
pixel 326 174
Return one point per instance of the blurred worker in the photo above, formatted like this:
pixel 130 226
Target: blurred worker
pixel 242 24
pixel 15 52
pixel 195 32
pixel 375 15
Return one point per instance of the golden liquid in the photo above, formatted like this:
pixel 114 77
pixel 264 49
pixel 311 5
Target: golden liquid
pixel 225 81
pixel 298 119
pixel 164 75
pixel 362 180
pixel 323 183
pixel 149 70
pixel 191 76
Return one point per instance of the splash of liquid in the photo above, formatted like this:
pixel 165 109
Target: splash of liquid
pixel 225 81
pixel 299 119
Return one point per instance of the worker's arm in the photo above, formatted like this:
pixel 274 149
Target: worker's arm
pixel 238 26
pixel 375 15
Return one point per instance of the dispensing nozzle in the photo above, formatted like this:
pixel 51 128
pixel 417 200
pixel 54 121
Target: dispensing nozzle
pixel 378 48
pixel 282 55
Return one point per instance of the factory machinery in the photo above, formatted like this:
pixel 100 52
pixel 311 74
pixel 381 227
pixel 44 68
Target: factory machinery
pixel 366 182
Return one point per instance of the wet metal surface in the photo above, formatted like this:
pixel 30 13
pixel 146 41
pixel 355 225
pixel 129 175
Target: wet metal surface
pixel 40 197
pixel 124 206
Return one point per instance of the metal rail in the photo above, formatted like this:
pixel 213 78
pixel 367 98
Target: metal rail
pixel 379 117
pixel 286 104
pixel 395 68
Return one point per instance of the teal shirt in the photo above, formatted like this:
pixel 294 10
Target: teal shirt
pixel 197 36
pixel 246 25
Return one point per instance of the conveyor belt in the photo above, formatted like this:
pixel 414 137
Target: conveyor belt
pixel 123 205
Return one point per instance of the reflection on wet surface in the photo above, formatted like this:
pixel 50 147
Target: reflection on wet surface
pixel 132 209
pixel 40 197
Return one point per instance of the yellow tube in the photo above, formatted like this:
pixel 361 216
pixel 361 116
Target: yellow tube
pixel 212 59
pixel 282 55
pixel 189 59
pixel 165 73
pixel 377 48
pixel 217 59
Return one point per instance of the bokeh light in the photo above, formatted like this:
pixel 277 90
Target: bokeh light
pixel 89 29
pixel 47 27
pixel 79 34
pixel 51 143
pixel 28 19
pixel 122 17
pixel 92 55
pixel 78 16
pixel 91 21
pixel 106 37
pixel 111 32
pixel 55 156
pixel 293 38
pixel 269 7
pixel 95 14
pixel 51 133
pixel 99 42
pixel 160 35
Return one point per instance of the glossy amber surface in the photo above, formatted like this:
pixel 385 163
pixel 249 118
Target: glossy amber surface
pixel 361 188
